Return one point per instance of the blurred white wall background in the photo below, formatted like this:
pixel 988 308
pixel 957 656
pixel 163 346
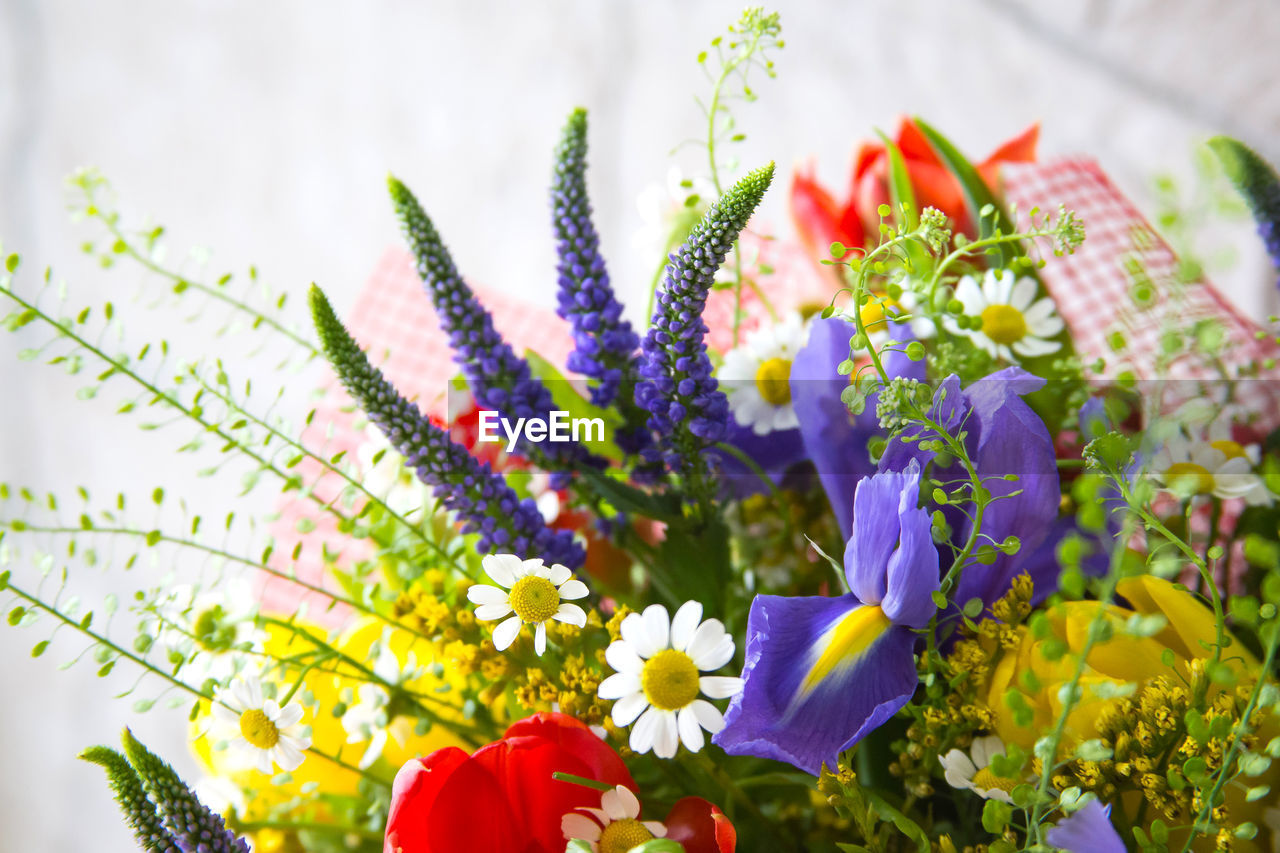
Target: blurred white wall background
pixel 265 131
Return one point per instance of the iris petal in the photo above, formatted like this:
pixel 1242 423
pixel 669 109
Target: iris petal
pixel 807 715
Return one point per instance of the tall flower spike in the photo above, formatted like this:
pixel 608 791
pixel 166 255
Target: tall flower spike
pixel 139 812
pixel 604 343
pixel 1258 182
pixel 462 483
pixel 195 827
pixel 499 379
pixel 686 408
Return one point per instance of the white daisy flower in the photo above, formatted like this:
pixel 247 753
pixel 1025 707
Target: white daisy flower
pixel 669 211
pixel 257 728
pixel 1014 322
pixel 657 662
pixel 616 826
pixel 756 376
pixel 209 629
pixel 1212 466
pixel 973 771
pixel 534 593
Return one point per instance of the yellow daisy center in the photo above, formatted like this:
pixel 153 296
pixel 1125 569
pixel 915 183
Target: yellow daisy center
pixel 773 380
pixel 988 781
pixel 534 599
pixel 878 308
pixel 1003 324
pixel 1191 474
pixel 258 729
pixel 621 835
pixel 1229 448
pixel 670 680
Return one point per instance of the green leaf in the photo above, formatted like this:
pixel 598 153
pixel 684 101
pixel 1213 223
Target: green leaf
pixel 904 824
pixel 977 195
pixel 900 190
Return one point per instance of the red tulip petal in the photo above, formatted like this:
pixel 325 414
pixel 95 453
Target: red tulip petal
pixel 700 827
pixel 1019 149
pixel 600 760
pixel 473 812
pixel 412 795
pixel 914 145
pixel 815 213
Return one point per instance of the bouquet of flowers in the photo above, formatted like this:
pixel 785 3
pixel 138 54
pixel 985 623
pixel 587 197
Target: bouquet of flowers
pixel 937 527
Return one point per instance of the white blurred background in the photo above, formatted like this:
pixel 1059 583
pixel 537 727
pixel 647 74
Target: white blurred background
pixel 265 131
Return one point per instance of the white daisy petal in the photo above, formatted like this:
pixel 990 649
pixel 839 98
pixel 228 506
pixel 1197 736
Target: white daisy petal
pixel 709 716
pixel 290 715
pixel 483 593
pixel 502 568
pixel 262 761
pixel 271 708
pixel 705 638
pixel 558 574
pixel 627 799
pixel 684 623
pixel 720 686
pixel 613 806
pixel 490 612
pixel 1023 293
pixel 1039 312
pixel 287 755
pixel 633 631
pixel 644 731
pixel 505 634
pixel 539 571
pixel 579 826
pixel 970 296
pixel 618 685
pixel 626 709
pixel 666 739
pixel 573 590
pixel 690 731
pixel 657 624
pixel 571 614
pixel 540 639
pixel 623 658
pixel 716 657
pixel 1032 347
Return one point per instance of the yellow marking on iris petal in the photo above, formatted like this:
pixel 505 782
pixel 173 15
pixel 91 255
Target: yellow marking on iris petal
pixel 845 642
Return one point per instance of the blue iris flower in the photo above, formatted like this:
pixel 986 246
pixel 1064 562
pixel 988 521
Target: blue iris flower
pixel 821 672
pixel 1087 831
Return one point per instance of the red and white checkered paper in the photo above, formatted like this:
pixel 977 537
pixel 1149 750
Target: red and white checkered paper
pixel 393 318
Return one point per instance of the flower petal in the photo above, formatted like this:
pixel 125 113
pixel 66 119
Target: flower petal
pixel 612 804
pixel 502 568
pixel 709 716
pixel 1087 831
pixel 483 593
pixel 657 624
pixel 623 658
pixel 820 674
pixel 618 685
pixel 715 657
pixel 690 732
pixel 666 740
pixel 720 686
pixel 633 631
pixel 505 634
pixel 540 639
pixel 558 574
pixel 490 612
pixel 645 731
pixel 627 708
pixel 579 826
pixel 570 614
pixel 684 623
pixel 290 715
pixel 573 590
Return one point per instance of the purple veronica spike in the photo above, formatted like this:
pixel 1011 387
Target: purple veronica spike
pixel 462 483
pixel 1087 831
pixel 1004 437
pixel 500 380
pixel 821 673
pixel 1258 182
pixel 195 828
pixel 687 409
pixel 604 343
pixel 139 812
pixel 834 438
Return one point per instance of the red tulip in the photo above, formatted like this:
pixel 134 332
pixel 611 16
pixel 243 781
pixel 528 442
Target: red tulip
pixel 502 798
pixel 700 827
pixel 822 220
